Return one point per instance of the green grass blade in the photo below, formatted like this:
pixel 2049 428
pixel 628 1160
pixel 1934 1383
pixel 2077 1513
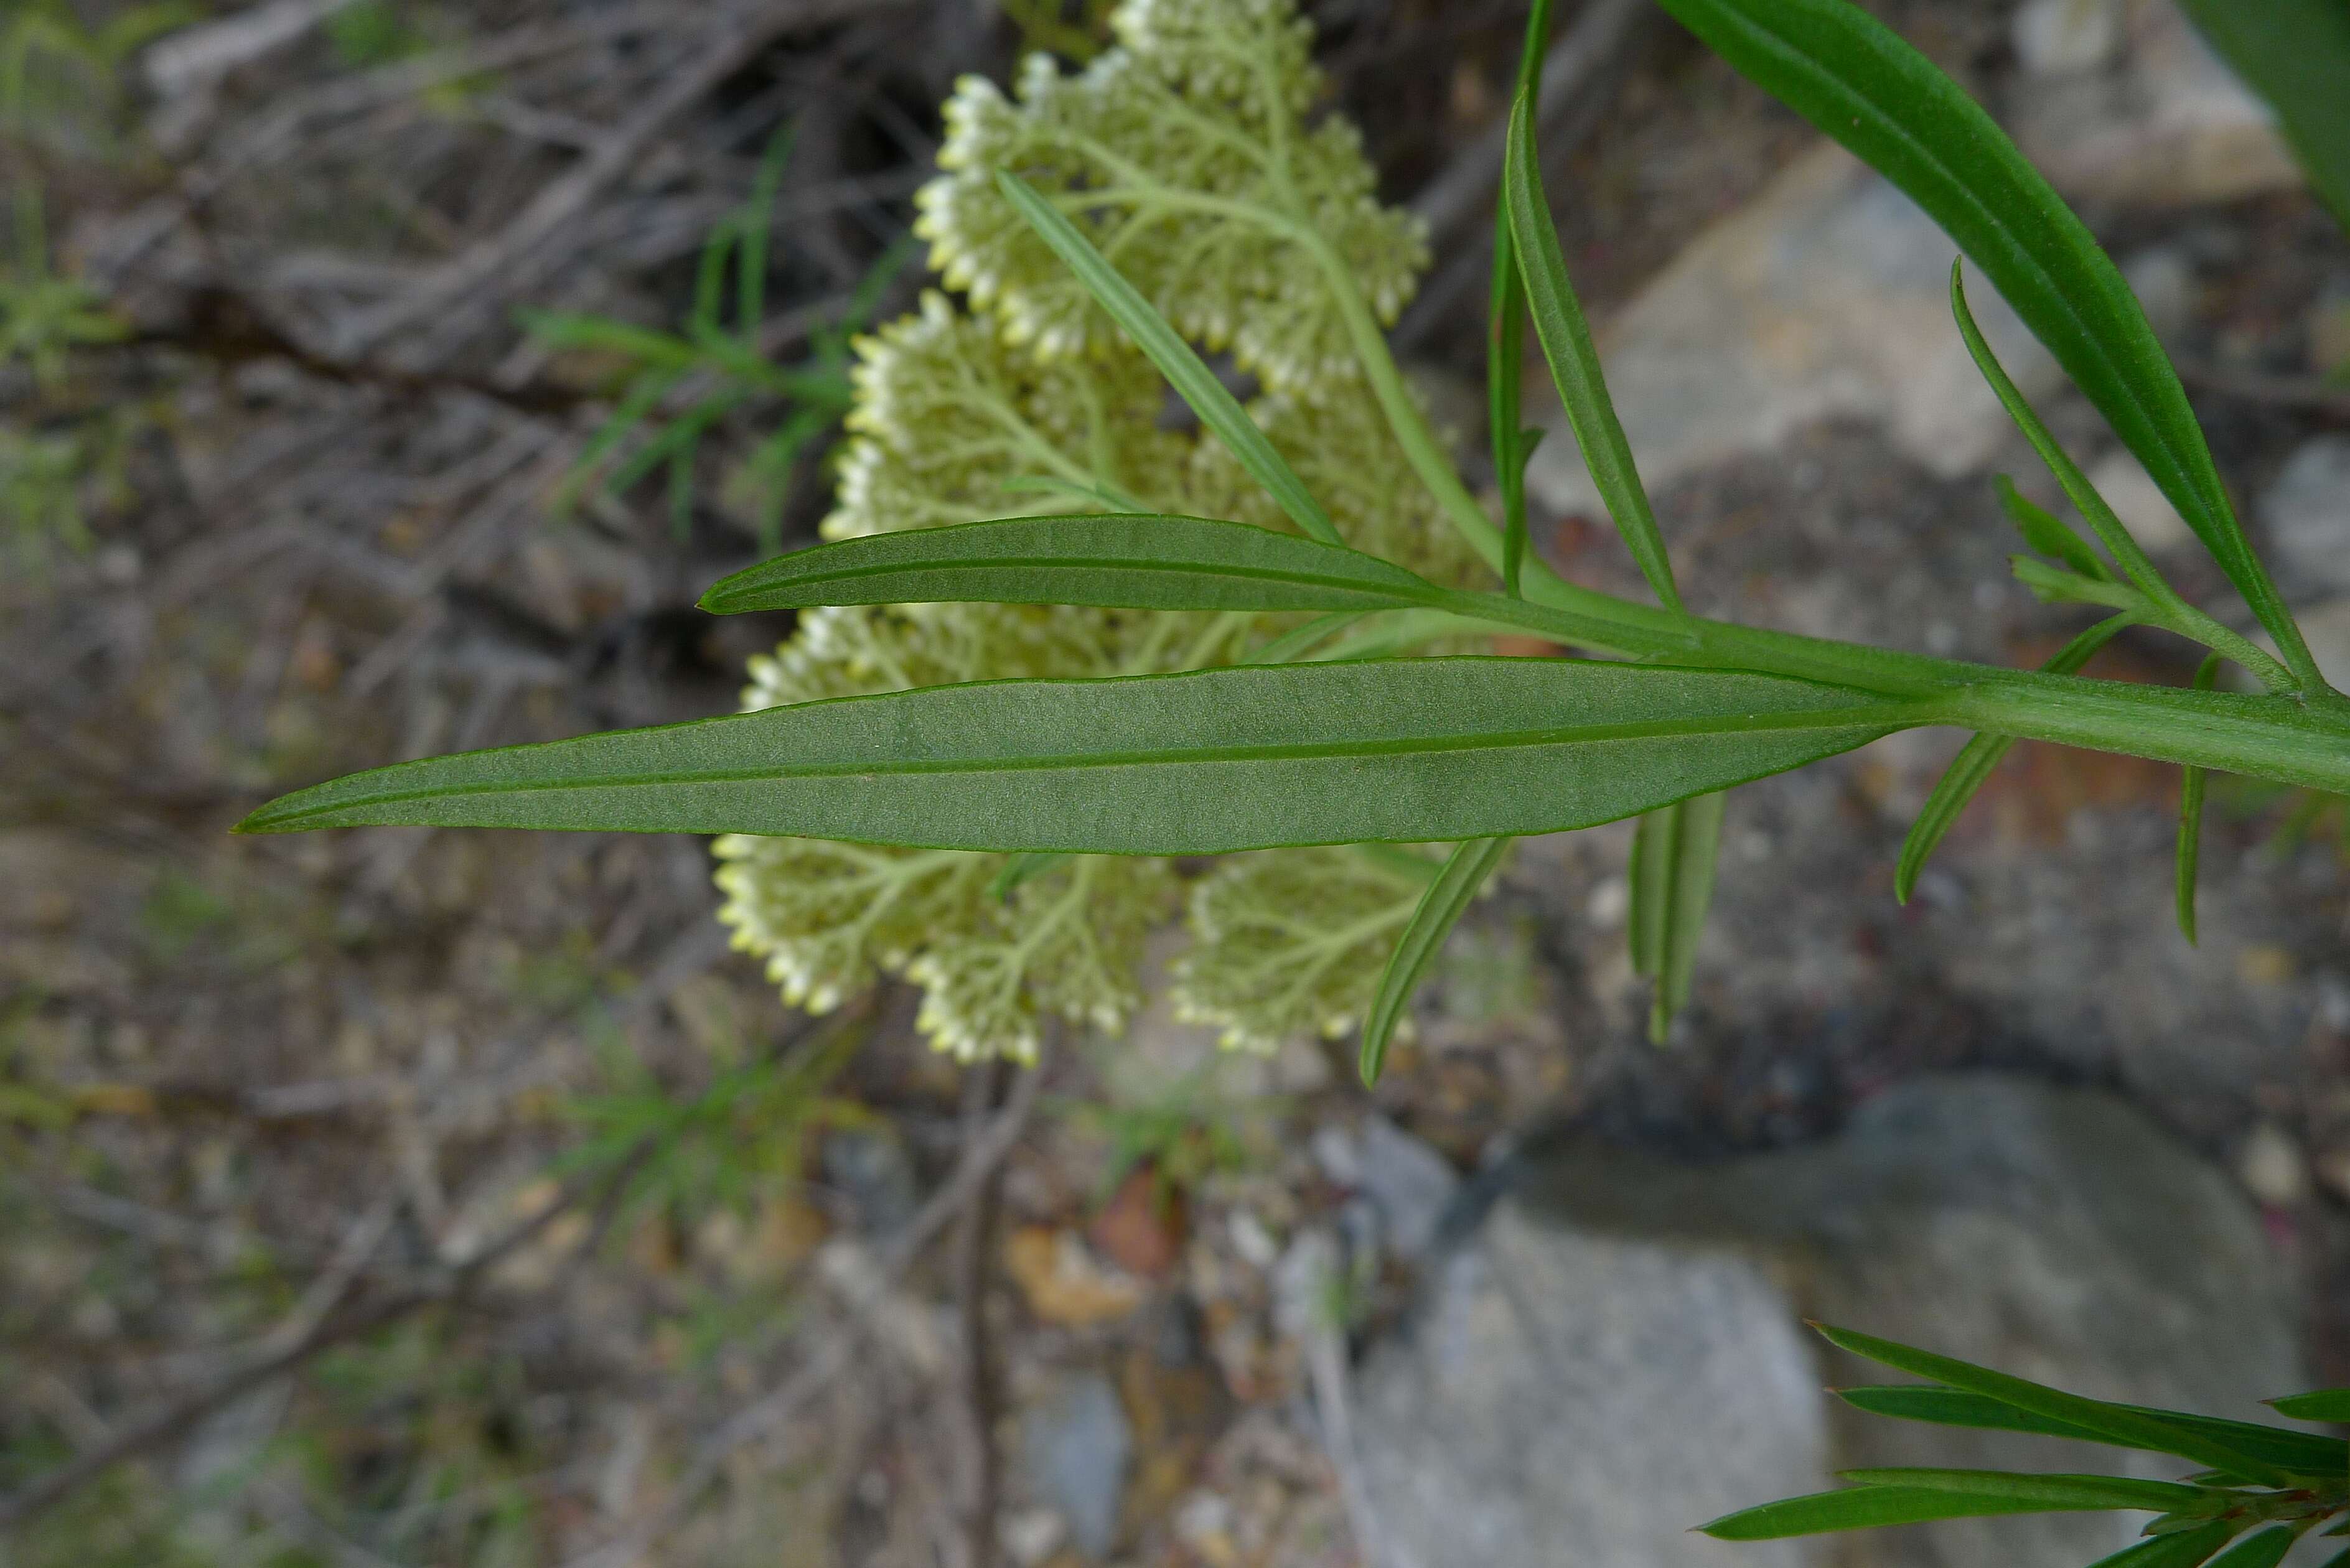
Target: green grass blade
pixel 1505 335
pixel 2296 55
pixel 1566 339
pixel 2264 1549
pixel 1438 910
pixel 758 218
pixel 1116 560
pixel 2303 1453
pixel 2115 1424
pixel 1164 347
pixel 1296 644
pixel 2046 533
pixel 2192 782
pixel 2083 1491
pixel 1019 868
pixel 2185 1549
pixel 1976 762
pixel 1856 80
pixel 1107 497
pixel 2326 1404
pixel 1405 751
pixel 1868 1507
pixel 1697 851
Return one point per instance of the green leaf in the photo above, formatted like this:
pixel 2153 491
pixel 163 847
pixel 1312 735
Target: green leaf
pixel 1115 559
pixel 1505 344
pixel 1674 854
pixel 2116 1424
pixel 1869 1508
pixel 2045 533
pixel 2050 1491
pixel 1164 347
pixel 1976 762
pixel 1020 869
pixel 1409 751
pixel 1566 339
pixel 1439 909
pixel 2190 817
pixel 1856 80
pixel 2303 1453
pixel 2296 55
pixel 2265 1549
pixel 2183 1550
pixel 2326 1404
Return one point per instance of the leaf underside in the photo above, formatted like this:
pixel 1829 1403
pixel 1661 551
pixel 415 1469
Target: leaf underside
pixel 1411 751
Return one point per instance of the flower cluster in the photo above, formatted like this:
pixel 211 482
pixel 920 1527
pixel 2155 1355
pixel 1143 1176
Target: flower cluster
pixel 1188 150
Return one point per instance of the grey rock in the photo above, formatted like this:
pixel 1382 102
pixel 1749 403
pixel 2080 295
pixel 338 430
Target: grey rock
pixel 2057 37
pixel 1410 1185
pixel 2308 512
pixel 1077 1446
pixel 2163 123
pixel 1621 1318
pixel 1827 297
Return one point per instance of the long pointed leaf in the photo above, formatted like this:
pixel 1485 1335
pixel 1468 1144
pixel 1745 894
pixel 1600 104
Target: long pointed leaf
pixel 1438 910
pixel 2183 1550
pixel 2054 1490
pixel 1115 559
pixel 2264 1550
pixel 1412 751
pixel 1505 342
pixel 1857 81
pixel 1165 348
pixel 1652 881
pixel 2326 1404
pixel 1697 851
pixel 1976 762
pixel 2191 785
pixel 1869 1508
pixel 1566 339
pixel 2045 533
pixel 2303 1453
pixel 2116 1423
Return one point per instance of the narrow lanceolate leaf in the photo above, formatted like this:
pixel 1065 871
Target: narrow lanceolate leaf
pixel 1164 347
pixel 1566 339
pixel 2263 1550
pixel 2049 1490
pixel 1857 81
pixel 2184 1549
pixel 1117 560
pixel 2118 1424
pixel 1409 751
pixel 2326 1404
pixel 1505 344
pixel 2296 55
pixel 1976 762
pixel 2190 817
pixel 1698 849
pixel 1870 1508
pixel 2303 1453
pixel 1439 909
pixel 2047 534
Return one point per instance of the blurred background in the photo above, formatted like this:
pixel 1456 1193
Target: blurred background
pixel 414 1198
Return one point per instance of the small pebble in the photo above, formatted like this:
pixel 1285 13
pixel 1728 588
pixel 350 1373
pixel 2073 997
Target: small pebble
pixel 2272 1168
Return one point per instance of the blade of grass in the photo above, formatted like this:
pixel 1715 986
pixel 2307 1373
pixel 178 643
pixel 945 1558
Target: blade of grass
pixel 2324 1404
pixel 1976 761
pixel 2183 1550
pixel 2119 1424
pixel 2192 782
pixel 758 217
pixel 1406 751
pixel 1566 339
pixel 2264 1549
pixel 1164 347
pixel 1438 910
pixel 1857 81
